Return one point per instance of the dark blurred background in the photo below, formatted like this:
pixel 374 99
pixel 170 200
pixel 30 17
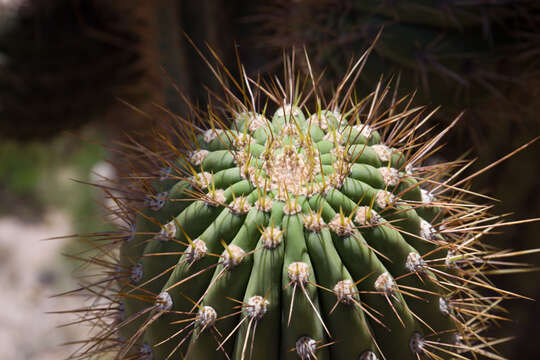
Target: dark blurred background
pixel 77 76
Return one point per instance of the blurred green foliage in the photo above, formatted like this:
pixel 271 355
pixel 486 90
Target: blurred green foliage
pixel 36 176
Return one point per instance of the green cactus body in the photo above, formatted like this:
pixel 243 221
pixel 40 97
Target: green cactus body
pixel 286 242
pixel 304 235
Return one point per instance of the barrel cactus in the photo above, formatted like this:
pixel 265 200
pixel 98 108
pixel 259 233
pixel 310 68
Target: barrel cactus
pixel 319 233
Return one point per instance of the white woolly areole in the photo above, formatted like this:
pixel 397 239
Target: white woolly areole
pixel 264 204
pixel 384 198
pixel 239 206
pixel 409 169
pixel 298 272
pixel 258 180
pixel 344 291
pixel 207 316
pixel 287 110
pixel 306 347
pixel 215 197
pixel 210 134
pixel 196 250
pixel 416 343
pixel 202 180
pixel 241 157
pixel 304 142
pixel 313 221
pixel 415 263
pixel 164 301
pixel 384 153
pixel 256 307
pixel 426 230
pixel 364 129
pixel 318 188
pixel 342 167
pixel 338 152
pixel 449 260
pixel 385 283
pixel 368 355
pixel 136 273
pixel 271 237
pixel 390 176
pixel 256 121
pixel 247 171
pixel 242 141
pixel 366 216
pixel 289 170
pixel 337 179
pixel 232 256
pixel 342 225
pixel 444 306
pixel 197 157
pixel 320 120
pixel 334 136
pixel 292 207
pixel 288 130
pixel 427 197
pixel 168 231
pixel 146 352
pixel 157 201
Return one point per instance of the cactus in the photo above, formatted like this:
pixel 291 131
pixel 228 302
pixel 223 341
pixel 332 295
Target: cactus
pixel 307 234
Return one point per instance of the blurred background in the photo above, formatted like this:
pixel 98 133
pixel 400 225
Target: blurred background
pixel 79 76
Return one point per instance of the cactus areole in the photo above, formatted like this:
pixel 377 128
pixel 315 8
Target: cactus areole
pixel 302 234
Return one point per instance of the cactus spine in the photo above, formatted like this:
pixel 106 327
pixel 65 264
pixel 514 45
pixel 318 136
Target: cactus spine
pixel 304 235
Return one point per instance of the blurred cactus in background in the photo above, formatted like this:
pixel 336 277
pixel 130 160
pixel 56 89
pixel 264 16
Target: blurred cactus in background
pixel 454 52
pixel 66 62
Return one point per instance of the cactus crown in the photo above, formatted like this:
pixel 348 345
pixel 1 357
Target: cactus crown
pixel 315 235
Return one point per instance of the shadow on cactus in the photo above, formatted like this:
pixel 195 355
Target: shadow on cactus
pixel 315 231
